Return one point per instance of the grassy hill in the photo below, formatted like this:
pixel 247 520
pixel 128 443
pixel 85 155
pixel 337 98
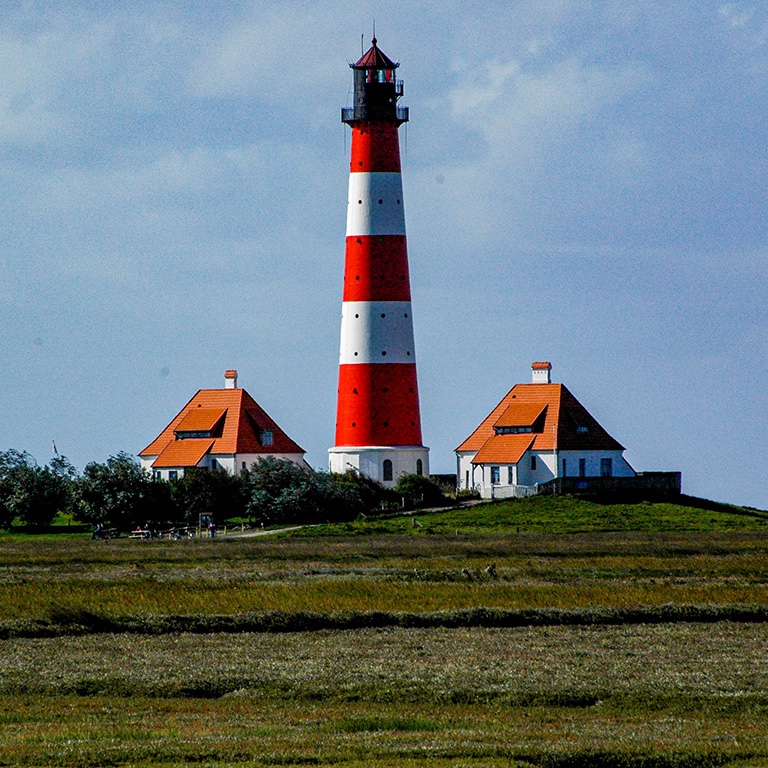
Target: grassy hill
pixel 565 514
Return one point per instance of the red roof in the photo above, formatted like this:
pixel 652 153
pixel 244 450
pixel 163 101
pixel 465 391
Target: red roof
pixel 244 422
pixel 373 58
pixel 567 425
pixel 543 366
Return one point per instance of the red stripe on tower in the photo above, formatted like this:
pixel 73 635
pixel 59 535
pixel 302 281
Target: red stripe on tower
pixel 378 425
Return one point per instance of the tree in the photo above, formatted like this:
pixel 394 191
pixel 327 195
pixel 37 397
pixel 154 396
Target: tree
pixel 12 463
pixel 216 494
pixel 274 490
pixel 32 493
pixel 119 493
pixel 41 495
pixel 277 491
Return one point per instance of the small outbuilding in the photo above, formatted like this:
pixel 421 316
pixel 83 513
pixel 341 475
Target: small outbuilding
pixel 218 429
pixel 538 432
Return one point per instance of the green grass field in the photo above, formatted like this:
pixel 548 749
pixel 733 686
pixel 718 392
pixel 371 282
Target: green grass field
pixel 608 641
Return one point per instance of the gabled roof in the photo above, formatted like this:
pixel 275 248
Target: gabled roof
pixel 567 425
pixel 244 422
pixel 373 58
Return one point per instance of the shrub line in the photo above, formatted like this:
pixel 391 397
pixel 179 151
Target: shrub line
pixel 83 622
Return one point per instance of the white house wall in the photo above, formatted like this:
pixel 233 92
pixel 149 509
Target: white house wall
pixel 249 459
pixel 620 466
pixel 231 463
pixel 480 474
pixel 544 472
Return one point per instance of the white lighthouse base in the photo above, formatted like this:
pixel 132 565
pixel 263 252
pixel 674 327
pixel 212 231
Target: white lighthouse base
pixel 371 461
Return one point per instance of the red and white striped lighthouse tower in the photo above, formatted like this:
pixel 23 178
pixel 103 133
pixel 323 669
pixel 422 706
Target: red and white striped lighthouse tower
pixel 378 425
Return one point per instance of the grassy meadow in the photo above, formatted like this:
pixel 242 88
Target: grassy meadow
pixel 538 632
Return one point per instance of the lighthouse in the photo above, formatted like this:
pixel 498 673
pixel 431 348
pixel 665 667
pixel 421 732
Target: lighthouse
pixel 378 424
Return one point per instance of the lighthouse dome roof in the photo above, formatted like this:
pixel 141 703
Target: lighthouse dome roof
pixel 374 58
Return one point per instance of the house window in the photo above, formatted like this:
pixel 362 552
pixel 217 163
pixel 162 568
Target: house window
pixel 267 438
pixel 606 467
pixel 419 467
pixel 466 479
pixel 173 474
pixel 495 475
pixel 565 467
pixel 533 463
pixel 581 430
pixel 582 467
pixel 243 465
pixel 510 475
pixel 387 469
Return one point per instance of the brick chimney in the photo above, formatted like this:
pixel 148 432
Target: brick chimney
pixel 230 379
pixel 540 373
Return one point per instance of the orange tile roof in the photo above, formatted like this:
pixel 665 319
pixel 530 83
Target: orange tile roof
pixel 200 419
pixel 183 453
pixel 541 366
pixel 520 414
pixel 504 449
pixel 244 422
pixel 564 415
pixel 530 396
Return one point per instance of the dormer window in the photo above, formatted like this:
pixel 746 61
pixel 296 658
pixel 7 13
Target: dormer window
pixel 201 423
pixel 521 419
pixel 513 430
pixel 267 437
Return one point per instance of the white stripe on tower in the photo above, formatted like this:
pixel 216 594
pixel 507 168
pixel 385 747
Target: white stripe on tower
pixel 376 332
pixel 375 204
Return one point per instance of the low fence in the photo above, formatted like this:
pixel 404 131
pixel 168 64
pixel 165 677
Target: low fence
pixel 643 485
pixel 508 491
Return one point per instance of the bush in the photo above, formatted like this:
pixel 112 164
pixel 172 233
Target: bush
pixel 278 491
pixel 372 495
pixel 420 491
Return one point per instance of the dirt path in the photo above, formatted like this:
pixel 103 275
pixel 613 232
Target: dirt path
pixel 267 532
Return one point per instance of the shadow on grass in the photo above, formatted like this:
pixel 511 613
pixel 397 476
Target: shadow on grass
pixel 72 622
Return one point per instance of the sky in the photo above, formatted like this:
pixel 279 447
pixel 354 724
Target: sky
pixel 585 183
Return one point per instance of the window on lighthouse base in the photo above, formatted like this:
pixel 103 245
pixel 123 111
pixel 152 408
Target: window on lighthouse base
pixel 387 469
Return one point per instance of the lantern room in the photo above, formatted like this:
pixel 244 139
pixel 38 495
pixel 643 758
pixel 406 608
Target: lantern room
pixel 376 89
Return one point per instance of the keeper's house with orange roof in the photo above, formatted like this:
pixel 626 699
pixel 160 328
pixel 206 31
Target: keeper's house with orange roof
pixel 538 432
pixel 218 429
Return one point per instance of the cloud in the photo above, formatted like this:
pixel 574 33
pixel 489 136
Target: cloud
pixel 521 113
pixel 278 52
